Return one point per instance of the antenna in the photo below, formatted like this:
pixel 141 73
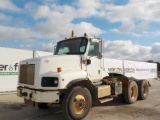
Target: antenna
pixel 72 34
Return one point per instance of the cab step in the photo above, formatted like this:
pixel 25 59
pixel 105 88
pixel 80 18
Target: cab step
pixel 105 100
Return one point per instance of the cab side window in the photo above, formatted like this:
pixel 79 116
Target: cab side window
pixel 93 49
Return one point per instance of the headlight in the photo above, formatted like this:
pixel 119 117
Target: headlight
pixel 49 82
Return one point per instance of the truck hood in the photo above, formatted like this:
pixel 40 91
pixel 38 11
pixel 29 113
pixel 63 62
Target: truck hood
pixel 47 67
pixel 66 62
pixel 51 63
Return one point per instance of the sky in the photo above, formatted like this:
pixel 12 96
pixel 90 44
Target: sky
pixel 130 29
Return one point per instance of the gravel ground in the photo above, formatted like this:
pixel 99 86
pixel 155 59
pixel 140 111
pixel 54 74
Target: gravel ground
pixel 13 108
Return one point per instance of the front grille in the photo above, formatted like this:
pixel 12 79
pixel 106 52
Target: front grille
pixel 27 73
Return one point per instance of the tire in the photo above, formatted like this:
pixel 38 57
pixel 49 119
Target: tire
pixel 132 94
pixel 42 106
pixel 77 103
pixel 143 89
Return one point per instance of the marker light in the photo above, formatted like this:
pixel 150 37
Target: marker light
pixel 59 69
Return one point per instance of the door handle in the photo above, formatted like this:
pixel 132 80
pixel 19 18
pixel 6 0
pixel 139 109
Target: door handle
pixel 98 71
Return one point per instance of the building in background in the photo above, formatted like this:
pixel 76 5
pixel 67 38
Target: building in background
pixel 9 59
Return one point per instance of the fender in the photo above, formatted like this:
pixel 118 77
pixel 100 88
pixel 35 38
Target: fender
pixel 78 81
pixel 87 84
pixel 68 77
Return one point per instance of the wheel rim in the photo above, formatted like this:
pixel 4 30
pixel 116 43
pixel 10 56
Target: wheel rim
pixel 79 104
pixel 133 92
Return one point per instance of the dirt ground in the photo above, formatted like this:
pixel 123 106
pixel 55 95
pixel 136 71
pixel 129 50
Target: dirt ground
pixel 13 108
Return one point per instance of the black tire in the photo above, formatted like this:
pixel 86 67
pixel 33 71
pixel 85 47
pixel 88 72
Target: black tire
pixel 132 94
pixel 42 106
pixel 143 89
pixel 77 103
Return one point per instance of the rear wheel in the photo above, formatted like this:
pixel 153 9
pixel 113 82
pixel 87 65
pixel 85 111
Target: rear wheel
pixel 77 103
pixel 132 94
pixel 143 89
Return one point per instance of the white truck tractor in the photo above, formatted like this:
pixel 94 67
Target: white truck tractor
pixel 75 78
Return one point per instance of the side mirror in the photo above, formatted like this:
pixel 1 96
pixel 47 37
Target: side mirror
pixel 99 56
pixel 54 50
pixel 88 61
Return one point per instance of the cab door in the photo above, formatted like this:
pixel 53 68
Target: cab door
pixel 94 69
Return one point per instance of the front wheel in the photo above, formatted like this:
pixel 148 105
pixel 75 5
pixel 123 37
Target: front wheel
pixel 77 103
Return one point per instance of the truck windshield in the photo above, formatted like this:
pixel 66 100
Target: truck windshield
pixel 71 46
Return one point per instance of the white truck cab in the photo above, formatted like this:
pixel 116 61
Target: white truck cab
pixel 75 78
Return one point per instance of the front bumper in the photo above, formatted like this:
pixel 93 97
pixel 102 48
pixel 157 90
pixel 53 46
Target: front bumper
pixel 38 96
